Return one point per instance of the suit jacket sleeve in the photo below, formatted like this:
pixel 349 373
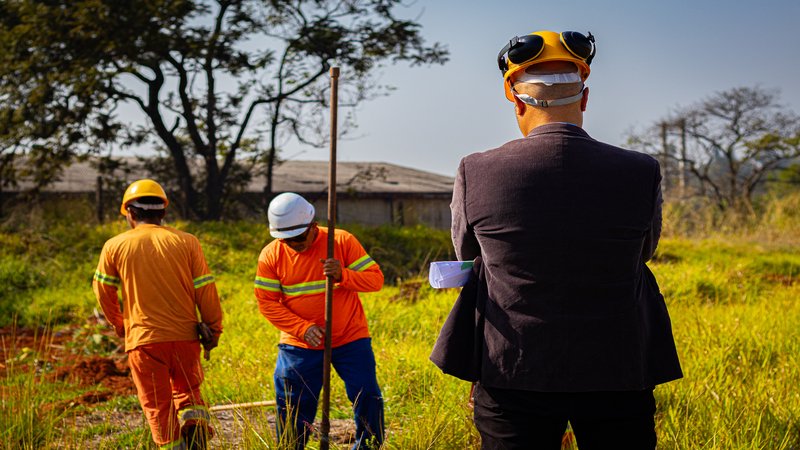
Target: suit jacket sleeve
pixel 654 233
pixel 464 240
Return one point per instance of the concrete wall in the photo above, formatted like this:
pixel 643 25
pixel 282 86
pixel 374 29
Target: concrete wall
pixel 433 212
pixel 430 210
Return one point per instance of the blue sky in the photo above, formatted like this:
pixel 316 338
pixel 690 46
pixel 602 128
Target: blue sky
pixel 652 57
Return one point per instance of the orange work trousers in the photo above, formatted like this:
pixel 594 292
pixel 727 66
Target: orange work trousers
pixel 168 376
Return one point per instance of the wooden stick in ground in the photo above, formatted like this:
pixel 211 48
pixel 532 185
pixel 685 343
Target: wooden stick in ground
pixel 241 405
pixel 324 443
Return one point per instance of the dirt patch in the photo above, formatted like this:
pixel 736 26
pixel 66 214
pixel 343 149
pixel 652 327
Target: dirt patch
pixel 84 355
pixel 112 374
pixel 786 280
pixel 89 356
pixel 410 290
pixel 230 427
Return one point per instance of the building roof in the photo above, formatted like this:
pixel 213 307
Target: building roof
pixel 362 177
pixel 291 176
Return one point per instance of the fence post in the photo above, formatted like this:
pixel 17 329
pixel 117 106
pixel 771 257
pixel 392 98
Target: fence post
pixel 665 169
pixel 98 199
pixel 682 161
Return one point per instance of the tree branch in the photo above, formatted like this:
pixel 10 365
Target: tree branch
pixel 188 110
pixel 135 98
pixel 131 71
pixel 279 97
pixel 208 67
pixel 173 145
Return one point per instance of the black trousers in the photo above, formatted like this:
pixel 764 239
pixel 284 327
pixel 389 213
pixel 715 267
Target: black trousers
pixel 511 419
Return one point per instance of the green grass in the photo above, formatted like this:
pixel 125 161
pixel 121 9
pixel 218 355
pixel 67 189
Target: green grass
pixel 27 418
pixel 733 302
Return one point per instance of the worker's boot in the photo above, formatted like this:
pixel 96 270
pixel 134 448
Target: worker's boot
pixel 195 435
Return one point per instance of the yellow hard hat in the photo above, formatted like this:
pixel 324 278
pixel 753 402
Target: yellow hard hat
pixel 542 46
pixel 142 188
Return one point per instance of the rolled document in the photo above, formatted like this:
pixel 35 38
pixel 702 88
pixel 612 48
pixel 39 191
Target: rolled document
pixel 449 274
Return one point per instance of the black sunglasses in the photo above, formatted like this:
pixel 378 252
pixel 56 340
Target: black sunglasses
pixel 299 238
pixel 521 49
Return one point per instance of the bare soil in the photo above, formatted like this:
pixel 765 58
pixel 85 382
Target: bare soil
pixel 55 357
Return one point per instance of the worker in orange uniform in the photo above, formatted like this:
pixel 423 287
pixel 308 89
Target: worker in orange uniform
pixel 290 289
pixel 164 280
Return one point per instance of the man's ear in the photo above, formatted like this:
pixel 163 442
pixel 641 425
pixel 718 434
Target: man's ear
pixel 519 106
pixel 585 98
pixel 129 219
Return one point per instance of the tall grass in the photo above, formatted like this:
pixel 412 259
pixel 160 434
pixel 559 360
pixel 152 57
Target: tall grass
pixel 732 294
pixel 26 419
pixel 775 219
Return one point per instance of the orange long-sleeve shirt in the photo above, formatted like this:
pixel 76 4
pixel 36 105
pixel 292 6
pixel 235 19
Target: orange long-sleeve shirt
pixel 164 280
pixel 290 288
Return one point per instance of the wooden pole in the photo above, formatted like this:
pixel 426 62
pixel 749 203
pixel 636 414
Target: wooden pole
pixel 666 180
pixel 229 407
pixel 324 443
pixel 682 162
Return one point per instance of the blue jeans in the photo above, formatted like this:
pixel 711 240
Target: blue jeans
pixel 298 381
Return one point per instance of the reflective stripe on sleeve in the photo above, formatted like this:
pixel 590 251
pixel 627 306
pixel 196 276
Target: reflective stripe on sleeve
pixel 311 287
pixel 106 279
pixel 203 280
pixel 268 284
pixel 308 288
pixel 362 263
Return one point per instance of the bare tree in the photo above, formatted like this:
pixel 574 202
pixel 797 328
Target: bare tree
pixel 216 81
pixel 730 144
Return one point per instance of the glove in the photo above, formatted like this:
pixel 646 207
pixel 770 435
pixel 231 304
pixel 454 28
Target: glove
pixel 207 338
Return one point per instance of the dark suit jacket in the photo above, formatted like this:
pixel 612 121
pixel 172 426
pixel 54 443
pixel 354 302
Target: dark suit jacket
pixel 565 224
pixel 458 350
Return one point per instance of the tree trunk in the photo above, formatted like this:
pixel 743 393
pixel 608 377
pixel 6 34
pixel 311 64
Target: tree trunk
pixel 214 195
pixel 214 187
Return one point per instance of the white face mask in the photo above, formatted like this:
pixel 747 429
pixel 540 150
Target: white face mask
pixel 548 79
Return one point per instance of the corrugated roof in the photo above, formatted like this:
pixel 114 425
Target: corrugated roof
pixel 294 176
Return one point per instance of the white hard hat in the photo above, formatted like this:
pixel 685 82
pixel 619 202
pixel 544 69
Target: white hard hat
pixel 289 215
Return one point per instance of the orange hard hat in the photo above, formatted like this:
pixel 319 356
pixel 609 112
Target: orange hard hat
pixel 142 188
pixel 522 52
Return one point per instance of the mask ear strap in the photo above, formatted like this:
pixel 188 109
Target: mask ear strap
pixel 528 100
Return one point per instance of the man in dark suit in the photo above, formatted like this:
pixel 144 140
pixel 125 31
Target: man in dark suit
pixel 575 326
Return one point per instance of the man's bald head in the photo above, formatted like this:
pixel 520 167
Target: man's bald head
pixel 552 80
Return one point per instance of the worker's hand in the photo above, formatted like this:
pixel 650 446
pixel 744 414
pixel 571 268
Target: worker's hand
pixel 208 339
pixel 211 343
pixel 332 268
pixel 314 335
